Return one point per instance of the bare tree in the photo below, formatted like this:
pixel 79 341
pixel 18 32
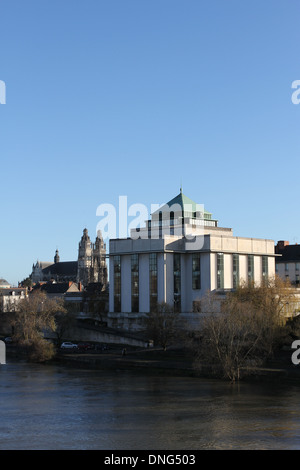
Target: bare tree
pixel 35 315
pixel 250 323
pixel 163 325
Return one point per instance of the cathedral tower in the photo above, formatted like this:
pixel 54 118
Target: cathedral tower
pixel 99 268
pixel 84 258
pixel 92 260
pixel 56 257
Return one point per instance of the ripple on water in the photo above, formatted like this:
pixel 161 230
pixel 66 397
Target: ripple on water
pixel 53 407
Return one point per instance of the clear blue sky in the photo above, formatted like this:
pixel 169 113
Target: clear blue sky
pixel 135 97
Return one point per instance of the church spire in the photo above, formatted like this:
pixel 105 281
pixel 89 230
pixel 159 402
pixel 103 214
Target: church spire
pixel 56 257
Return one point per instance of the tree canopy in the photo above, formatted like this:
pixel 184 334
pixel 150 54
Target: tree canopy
pixel 34 316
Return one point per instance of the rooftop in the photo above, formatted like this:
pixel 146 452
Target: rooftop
pixel 187 206
pixel 288 252
pixel 4 283
pixel 62 268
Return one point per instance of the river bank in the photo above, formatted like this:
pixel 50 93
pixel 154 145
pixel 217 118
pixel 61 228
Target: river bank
pixel 169 362
pixel 178 362
pixel 172 362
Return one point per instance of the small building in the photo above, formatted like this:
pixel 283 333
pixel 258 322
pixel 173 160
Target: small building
pixel 55 289
pixel 10 297
pixel 288 263
pixel 4 284
pixel 86 303
pixel 179 256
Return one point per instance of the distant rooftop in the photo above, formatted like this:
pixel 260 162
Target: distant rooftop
pixel 288 252
pixel 62 268
pixel 4 284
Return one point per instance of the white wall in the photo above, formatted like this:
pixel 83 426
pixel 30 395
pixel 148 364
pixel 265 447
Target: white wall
pixel 257 269
pixel 228 264
pixel 243 260
pixel 111 284
pixel 165 275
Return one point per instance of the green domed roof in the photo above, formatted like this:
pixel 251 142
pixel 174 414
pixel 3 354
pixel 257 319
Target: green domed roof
pixel 186 205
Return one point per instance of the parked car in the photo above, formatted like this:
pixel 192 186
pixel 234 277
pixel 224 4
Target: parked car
pixel 68 345
pixel 8 340
pixel 85 346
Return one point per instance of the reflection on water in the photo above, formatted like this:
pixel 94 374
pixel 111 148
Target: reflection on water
pixel 53 407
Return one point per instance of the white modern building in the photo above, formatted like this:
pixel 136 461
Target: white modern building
pixel 179 256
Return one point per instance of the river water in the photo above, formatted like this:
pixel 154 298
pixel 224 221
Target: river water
pixel 55 407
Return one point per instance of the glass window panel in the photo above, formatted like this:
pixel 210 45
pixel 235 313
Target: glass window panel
pixel 177 282
pixel 196 272
pixel 117 283
pixel 134 283
pixel 220 271
pixel 235 270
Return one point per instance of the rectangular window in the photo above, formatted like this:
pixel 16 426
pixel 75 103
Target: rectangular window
pixel 160 224
pixel 177 282
pixel 117 283
pixel 135 283
pixel 220 271
pixel 153 281
pixel 172 223
pixel 250 268
pixel 235 270
pixel 265 270
pixel 196 276
pixel 286 266
pixel 297 267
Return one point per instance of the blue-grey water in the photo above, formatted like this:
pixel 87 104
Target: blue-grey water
pixel 56 407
